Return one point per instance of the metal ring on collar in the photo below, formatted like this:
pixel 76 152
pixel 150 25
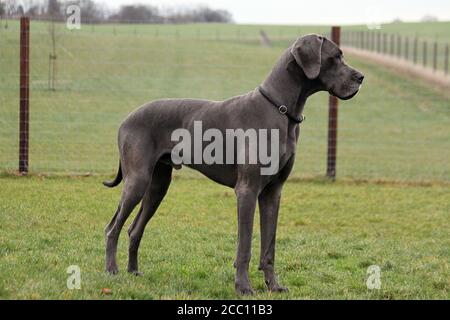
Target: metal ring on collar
pixel 283 109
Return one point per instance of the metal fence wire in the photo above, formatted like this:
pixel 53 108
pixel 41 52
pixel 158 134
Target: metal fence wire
pixel 431 53
pixel 84 82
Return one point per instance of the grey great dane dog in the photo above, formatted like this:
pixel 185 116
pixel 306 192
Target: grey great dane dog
pixel 313 63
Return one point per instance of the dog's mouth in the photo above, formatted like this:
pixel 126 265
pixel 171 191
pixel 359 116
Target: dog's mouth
pixel 345 97
pixel 350 96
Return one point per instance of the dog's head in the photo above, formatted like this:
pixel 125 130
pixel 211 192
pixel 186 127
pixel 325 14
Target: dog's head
pixel 321 60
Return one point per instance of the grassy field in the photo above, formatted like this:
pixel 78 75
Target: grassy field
pixel 329 233
pixel 395 129
pixel 425 30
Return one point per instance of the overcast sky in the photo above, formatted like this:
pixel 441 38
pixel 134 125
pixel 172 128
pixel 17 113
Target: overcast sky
pixel 314 11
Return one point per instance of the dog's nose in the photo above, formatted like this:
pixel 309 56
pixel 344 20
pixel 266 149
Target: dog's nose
pixel 359 77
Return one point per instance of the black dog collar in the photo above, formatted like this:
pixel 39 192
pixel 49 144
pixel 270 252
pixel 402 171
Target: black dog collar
pixel 281 108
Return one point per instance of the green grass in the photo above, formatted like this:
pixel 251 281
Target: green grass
pixel 213 31
pixel 395 129
pixel 329 233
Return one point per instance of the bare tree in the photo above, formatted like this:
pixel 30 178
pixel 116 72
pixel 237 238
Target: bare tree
pixel 35 9
pixel 2 12
pixel 205 14
pixel 54 14
pixel 202 14
pixel 11 9
pixel 2 9
pixel 92 12
pixel 137 13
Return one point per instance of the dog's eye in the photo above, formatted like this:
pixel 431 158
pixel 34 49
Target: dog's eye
pixel 334 59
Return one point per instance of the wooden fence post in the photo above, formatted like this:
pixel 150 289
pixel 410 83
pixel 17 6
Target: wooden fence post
pixel 392 44
pixel 406 48
pixel 425 53
pixel 446 59
pixel 435 50
pixel 24 94
pixel 332 119
pixel 362 39
pixel 372 42
pixel 379 42
pixel 416 41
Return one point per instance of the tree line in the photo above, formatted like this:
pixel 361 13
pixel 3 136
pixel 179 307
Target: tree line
pixel 93 12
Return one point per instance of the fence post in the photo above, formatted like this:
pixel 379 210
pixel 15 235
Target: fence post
pixel 362 40
pixel 435 49
pixel 406 48
pixel 332 119
pixel 425 53
pixel 415 50
pixel 392 44
pixel 371 37
pixel 446 59
pixel 374 41
pixel 379 42
pixel 24 93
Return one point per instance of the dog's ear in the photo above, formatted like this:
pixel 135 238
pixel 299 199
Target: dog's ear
pixel 307 52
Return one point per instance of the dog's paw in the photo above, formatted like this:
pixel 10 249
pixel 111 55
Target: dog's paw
pixel 273 286
pixel 112 270
pixel 244 290
pixel 136 273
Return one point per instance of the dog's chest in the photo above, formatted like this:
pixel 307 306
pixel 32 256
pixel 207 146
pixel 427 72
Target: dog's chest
pixel 290 149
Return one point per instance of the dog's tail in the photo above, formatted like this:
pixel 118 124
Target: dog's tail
pixel 116 181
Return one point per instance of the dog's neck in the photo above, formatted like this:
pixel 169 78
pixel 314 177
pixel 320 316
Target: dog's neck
pixel 288 85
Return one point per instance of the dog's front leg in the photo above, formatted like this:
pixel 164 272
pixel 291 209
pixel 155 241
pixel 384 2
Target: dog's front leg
pixel 246 203
pixel 269 204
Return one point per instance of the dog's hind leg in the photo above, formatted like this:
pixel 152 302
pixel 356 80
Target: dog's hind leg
pixel 133 191
pixel 113 220
pixel 161 178
pixel 246 201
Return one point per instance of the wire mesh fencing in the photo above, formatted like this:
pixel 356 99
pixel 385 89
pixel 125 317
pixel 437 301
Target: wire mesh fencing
pixel 426 52
pixel 84 82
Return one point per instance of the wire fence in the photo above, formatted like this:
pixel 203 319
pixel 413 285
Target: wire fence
pixel 84 82
pixel 429 53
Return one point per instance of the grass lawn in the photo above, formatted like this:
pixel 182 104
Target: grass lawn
pixel 395 129
pixel 329 233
